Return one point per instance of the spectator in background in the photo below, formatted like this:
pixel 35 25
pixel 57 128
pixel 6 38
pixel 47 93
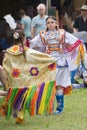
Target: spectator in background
pixel 6 39
pixel 25 23
pixel 80 23
pixel 38 22
pixel 3 78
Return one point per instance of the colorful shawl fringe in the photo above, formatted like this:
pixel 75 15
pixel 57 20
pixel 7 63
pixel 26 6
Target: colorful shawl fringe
pixel 35 99
pixel 80 56
pixel 72 49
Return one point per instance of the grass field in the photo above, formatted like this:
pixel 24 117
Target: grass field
pixel 74 116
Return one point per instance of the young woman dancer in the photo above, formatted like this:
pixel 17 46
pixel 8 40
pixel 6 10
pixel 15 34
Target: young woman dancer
pixel 26 69
pixel 67 50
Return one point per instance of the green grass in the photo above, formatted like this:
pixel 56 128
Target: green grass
pixel 74 116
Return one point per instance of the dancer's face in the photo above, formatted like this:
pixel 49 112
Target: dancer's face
pixel 51 24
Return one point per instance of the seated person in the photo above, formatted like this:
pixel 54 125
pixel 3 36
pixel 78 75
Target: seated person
pixel 3 81
pixel 2 77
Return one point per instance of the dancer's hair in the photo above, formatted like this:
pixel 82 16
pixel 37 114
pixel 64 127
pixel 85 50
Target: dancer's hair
pixel 18 37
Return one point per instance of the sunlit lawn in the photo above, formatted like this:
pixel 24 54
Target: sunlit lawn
pixel 74 116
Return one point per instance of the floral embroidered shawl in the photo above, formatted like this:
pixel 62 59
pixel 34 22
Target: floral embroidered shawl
pixel 37 68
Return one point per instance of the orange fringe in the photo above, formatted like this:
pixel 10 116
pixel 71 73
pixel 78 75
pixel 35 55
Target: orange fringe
pixel 67 90
pixel 80 56
pixel 4 109
pixel 52 99
pixel 33 101
pixel 9 95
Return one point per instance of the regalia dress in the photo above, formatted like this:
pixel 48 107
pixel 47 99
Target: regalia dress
pixel 67 50
pixel 29 85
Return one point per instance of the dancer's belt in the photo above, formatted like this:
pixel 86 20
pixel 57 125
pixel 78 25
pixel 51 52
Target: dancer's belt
pixel 54 47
